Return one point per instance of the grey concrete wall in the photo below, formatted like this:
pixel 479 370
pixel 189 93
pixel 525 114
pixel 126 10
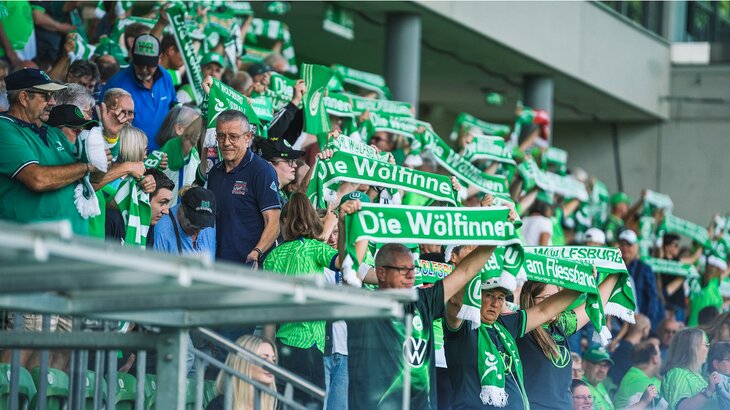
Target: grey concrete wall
pixel 580 39
pixel 686 157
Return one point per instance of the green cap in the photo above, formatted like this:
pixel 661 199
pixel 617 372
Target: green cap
pixel 597 355
pixel 355 195
pixel 213 58
pixel 620 198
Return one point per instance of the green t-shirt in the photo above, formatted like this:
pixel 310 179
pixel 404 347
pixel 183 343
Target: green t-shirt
pixel 634 381
pixel 680 384
pixel 301 257
pixel 17 19
pixel 601 399
pixel 23 146
pixel 613 225
pixel 708 296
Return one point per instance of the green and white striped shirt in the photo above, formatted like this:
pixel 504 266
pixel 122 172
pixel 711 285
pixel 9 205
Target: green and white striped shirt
pixel 301 257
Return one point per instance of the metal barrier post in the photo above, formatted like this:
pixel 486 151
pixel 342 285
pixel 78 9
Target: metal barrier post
pixel 199 380
pixel 111 380
pixel 43 370
pixel 141 372
pixel 14 401
pixel 99 380
pixel 171 348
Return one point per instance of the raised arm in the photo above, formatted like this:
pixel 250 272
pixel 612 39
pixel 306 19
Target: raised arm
pixel 544 311
pixel 466 270
pixel 604 290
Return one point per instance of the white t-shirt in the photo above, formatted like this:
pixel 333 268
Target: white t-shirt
pixel 533 227
pixel 339 328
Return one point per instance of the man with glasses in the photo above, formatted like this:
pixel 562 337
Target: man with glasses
pixel 596 363
pixel 247 194
pixel 38 165
pixel 666 331
pixel 150 86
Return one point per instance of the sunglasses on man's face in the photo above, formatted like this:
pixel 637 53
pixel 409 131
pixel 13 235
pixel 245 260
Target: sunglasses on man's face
pixel 47 95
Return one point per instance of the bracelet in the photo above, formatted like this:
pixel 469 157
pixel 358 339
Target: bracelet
pixel 258 251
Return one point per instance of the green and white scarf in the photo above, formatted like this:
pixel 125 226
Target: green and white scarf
pixel 503 269
pixel 387 107
pixel 363 170
pixel 569 274
pixel 492 368
pixel 362 79
pixel 134 205
pixel 89 148
pixel 223 97
pixel 556 157
pixel 82 49
pixel 490 148
pixel 263 108
pixel 280 90
pixel 565 186
pixel 469 121
pixel 176 14
pixel 608 261
pixel 351 146
pixel 277 31
pixel 338 105
pixel 461 168
pixel 647 238
pixel 119 26
pixel 674 268
pixel 697 233
pixel 428 225
pixel 399 125
pixel 316 78
pixel 655 200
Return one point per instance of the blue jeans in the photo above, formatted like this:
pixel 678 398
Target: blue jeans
pixel 336 380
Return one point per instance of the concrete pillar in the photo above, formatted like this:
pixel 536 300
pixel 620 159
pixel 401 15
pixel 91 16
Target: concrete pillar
pixel 403 56
pixel 674 21
pixel 538 94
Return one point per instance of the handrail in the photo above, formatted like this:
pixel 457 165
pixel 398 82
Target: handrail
pixel 247 379
pixel 278 371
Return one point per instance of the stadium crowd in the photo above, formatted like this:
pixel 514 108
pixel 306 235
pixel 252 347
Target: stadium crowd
pixel 584 299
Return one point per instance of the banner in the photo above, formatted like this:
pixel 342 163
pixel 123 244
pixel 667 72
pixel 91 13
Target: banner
pixel 565 186
pixel 657 200
pixel 361 170
pixel 490 148
pixel 176 15
pixel 469 121
pixel 388 107
pixel 467 173
pixel 346 144
pixel 316 78
pixel 263 108
pixel 280 91
pixel 338 105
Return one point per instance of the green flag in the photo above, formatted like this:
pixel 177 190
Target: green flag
pixel 223 97
pixel 316 77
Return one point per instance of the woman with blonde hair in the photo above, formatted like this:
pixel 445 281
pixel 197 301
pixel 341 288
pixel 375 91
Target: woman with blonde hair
pixel 243 392
pixel 684 386
pixel 183 165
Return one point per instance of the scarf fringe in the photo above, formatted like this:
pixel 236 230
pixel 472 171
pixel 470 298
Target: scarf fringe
pixel 717 262
pixel 88 207
pixel 329 195
pixel 493 396
pixel 470 313
pixel 616 310
pixel 602 337
pixel 508 281
pixel 349 274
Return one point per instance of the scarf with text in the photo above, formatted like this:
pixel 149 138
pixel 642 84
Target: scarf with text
pixel 316 77
pixel 176 15
pixel 491 366
pixel 565 186
pixel 490 148
pixel 697 233
pixel 468 121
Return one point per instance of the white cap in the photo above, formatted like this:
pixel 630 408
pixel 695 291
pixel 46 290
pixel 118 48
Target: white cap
pixel 595 235
pixel 628 235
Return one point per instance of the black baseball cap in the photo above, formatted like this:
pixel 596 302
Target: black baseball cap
pixel 31 78
pixel 69 115
pixel 278 148
pixel 146 50
pixel 259 68
pixel 199 207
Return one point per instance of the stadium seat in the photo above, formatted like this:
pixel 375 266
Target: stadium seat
pixel 26 390
pixel 150 391
pixel 89 391
pixel 209 392
pixel 56 391
pixel 126 391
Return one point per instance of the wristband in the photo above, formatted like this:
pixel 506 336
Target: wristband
pixel 258 251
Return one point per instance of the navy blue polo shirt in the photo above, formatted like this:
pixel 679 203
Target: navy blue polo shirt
pixel 150 106
pixel 241 196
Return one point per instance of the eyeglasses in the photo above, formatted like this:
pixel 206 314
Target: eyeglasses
pixel 46 95
pixel 494 297
pixel 581 397
pixel 233 138
pixel 402 270
pixel 291 162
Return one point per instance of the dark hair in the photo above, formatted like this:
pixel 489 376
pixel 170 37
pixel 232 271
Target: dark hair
pixel 541 207
pixel 718 351
pixel 644 352
pixel 134 30
pixel 707 315
pixel 301 218
pixel 714 328
pixel 107 69
pixel 82 68
pixel 167 41
pixel 530 291
pixel 161 181
pixel 669 238
pixel 577 383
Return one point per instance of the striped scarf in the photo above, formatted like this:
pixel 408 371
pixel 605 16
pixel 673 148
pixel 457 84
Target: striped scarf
pixel 134 205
